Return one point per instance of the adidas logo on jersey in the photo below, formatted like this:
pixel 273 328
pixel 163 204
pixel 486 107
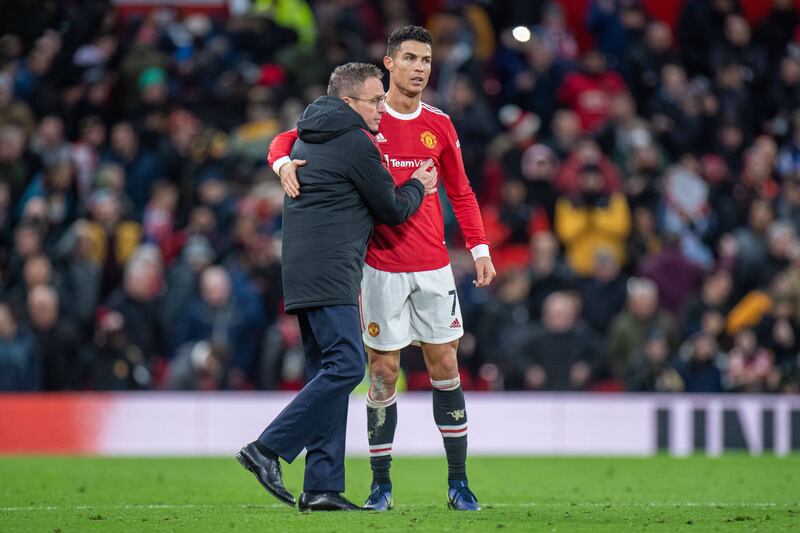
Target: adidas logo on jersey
pixel 455 324
pixel 380 138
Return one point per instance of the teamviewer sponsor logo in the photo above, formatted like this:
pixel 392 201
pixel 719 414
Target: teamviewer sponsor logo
pixel 393 162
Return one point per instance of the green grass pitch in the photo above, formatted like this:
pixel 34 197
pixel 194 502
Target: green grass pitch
pixel 730 493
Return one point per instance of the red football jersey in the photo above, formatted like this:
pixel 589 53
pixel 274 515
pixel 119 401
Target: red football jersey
pixel 406 141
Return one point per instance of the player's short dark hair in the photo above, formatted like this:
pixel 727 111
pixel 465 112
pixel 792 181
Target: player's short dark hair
pixel 407 33
pixel 347 79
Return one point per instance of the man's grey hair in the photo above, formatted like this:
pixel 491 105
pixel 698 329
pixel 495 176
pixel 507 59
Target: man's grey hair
pixel 642 287
pixel 347 79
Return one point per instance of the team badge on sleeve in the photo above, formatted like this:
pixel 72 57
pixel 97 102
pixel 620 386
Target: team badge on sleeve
pixel 428 139
pixel 373 329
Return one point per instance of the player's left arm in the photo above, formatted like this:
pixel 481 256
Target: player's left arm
pixel 465 207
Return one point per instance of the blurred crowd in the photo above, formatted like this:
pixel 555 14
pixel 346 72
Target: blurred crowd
pixel 640 188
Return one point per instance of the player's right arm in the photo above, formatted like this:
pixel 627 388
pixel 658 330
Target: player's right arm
pixel 284 166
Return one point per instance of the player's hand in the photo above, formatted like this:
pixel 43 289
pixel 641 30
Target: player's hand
pixel 288 174
pixel 428 175
pixel 485 272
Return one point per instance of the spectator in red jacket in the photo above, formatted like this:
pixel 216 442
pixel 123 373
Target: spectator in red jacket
pixel 589 92
pixel 509 225
pixel 587 152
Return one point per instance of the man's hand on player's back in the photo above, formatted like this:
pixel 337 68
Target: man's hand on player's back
pixel 288 174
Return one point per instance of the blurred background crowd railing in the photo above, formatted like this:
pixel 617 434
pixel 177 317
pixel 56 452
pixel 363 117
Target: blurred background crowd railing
pixel 637 165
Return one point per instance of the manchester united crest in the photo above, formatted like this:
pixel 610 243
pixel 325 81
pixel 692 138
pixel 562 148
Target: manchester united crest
pixel 428 139
pixel 373 329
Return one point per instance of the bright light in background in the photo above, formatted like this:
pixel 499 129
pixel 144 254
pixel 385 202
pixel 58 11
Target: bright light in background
pixel 522 34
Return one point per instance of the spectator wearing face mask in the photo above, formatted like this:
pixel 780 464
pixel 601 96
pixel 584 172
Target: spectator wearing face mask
pixel 592 220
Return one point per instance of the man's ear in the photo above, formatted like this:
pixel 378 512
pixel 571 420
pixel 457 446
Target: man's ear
pixel 388 62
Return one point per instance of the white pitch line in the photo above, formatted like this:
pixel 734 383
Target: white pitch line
pixel 402 506
pixel 639 504
pixel 137 506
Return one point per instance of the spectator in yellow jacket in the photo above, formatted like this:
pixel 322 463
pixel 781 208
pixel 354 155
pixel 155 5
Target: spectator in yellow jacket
pixel 593 220
pixel 113 239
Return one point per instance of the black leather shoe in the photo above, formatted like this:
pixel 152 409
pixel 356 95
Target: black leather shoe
pixel 326 501
pixel 267 471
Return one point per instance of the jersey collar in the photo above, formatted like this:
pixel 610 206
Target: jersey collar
pixel 404 116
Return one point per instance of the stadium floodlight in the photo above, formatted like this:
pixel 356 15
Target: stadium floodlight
pixel 521 34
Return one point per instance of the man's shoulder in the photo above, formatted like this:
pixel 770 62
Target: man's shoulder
pixel 346 146
pixel 361 141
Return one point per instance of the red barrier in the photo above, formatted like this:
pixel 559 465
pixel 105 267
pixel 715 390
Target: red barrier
pixel 51 423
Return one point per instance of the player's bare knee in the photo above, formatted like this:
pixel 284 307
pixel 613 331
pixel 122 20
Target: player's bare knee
pixel 444 370
pixel 442 361
pixel 383 381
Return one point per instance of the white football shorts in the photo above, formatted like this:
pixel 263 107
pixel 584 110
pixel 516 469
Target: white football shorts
pixel 402 308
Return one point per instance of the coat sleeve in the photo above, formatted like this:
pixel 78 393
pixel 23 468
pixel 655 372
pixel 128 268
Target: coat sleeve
pixel 280 148
pixel 387 203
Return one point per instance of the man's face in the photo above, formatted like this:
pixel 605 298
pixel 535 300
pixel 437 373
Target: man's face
pixel 43 310
pixel 659 37
pixel 644 304
pixel 215 288
pixel 705 347
pixel 370 103
pixel 37 271
pixel 123 139
pixel 594 62
pixel 559 313
pixel 410 67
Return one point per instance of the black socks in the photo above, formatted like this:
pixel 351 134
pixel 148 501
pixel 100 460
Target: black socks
pixel 381 424
pixel 450 415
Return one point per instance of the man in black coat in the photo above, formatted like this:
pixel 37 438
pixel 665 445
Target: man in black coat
pixel 325 236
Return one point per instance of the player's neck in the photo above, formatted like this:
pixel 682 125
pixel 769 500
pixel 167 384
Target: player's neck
pixel 402 102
